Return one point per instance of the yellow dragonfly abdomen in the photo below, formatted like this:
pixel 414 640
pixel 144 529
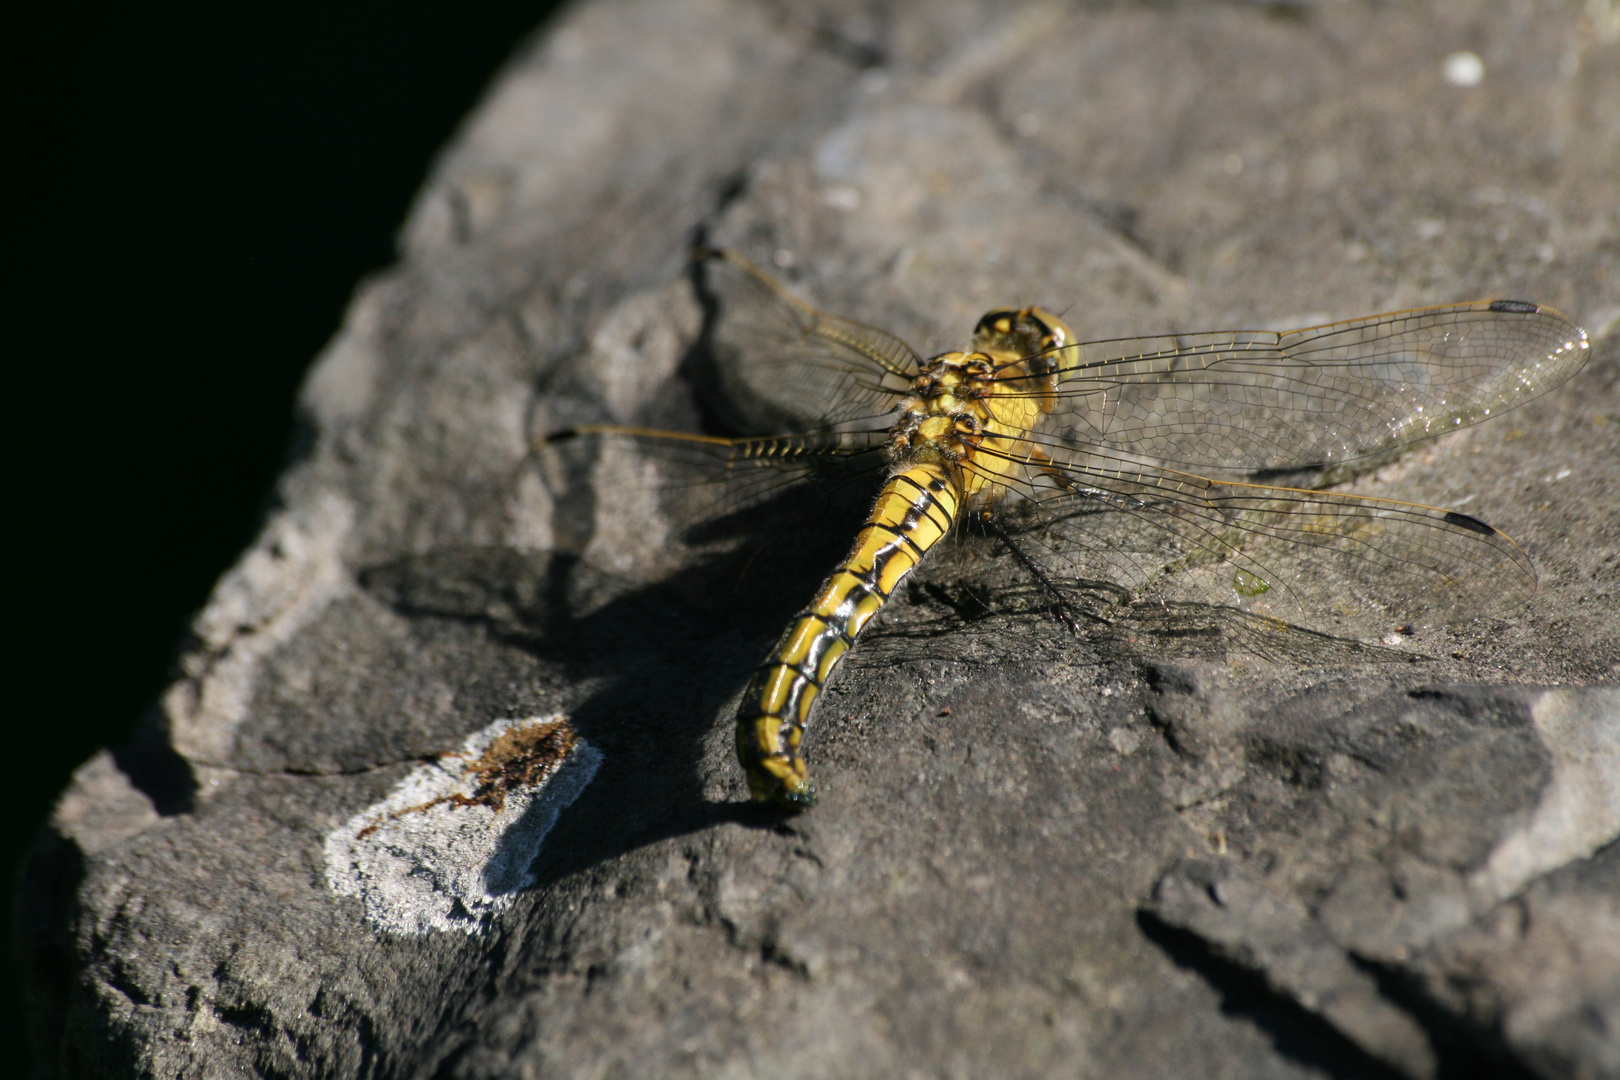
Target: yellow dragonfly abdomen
pixel 914 512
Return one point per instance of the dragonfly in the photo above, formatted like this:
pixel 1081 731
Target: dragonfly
pixel 1184 465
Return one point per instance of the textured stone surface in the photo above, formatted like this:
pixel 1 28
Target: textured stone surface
pixel 1165 849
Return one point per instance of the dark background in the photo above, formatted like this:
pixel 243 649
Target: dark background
pixel 198 192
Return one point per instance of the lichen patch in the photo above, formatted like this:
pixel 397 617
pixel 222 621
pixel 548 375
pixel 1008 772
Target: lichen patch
pixel 453 842
pixel 522 756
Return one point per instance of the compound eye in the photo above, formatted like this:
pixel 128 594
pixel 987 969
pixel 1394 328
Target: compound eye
pixel 997 323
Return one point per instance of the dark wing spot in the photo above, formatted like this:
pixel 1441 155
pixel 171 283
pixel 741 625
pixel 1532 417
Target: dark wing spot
pixel 1516 307
pixel 1463 521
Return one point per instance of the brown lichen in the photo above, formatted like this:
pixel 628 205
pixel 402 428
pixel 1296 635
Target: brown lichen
pixel 523 755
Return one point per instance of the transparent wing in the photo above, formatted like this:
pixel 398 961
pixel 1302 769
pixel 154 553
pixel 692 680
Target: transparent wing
pixel 1251 400
pixel 703 479
pixel 781 365
pixel 741 527
pixel 1326 561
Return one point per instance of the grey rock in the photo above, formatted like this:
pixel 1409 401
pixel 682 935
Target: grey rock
pixel 1247 925
pixel 1403 897
pixel 1181 844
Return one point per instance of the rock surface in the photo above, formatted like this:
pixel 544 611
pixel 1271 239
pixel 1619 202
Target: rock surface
pixel 1127 854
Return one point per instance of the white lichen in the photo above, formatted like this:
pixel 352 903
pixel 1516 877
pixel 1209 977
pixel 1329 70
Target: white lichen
pixel 454 841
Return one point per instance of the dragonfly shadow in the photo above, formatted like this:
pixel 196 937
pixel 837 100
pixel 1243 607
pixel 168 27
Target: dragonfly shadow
pixel 652 674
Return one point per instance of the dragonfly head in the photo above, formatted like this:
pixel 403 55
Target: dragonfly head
pixel 1023 334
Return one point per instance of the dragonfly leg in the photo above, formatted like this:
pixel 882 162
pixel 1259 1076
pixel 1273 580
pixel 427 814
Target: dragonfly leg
pixel 1060 607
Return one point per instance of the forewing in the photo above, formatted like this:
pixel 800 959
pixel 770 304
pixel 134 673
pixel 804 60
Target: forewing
pixel 1257 400
pixel 780 365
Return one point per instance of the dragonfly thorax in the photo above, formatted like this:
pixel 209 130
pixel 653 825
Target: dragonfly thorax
pixel 942 419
